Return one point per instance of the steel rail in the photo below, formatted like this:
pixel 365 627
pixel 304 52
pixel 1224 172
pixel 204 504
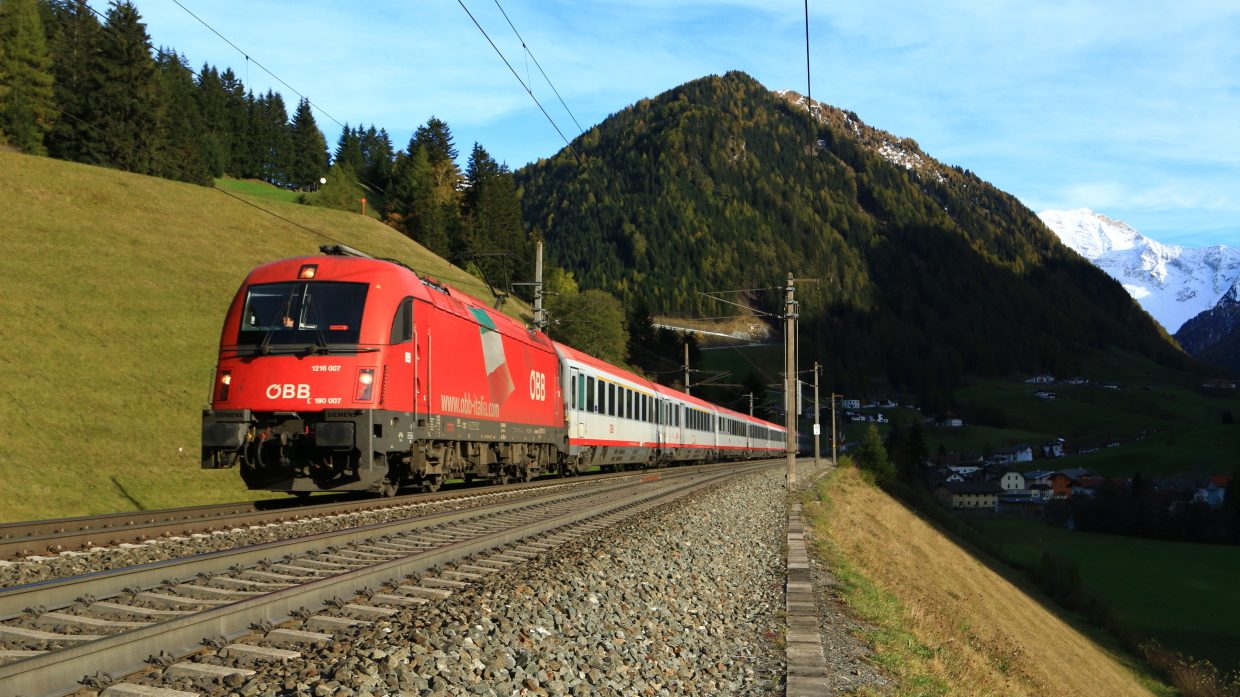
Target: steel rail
pixel 25 538
pixel 58 672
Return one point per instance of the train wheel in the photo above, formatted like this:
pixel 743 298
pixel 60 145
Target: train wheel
pixel 388 488
pixel 526 475
pixel 431 483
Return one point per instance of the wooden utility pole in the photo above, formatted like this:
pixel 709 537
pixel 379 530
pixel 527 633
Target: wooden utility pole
pixel 817 427
pixel 790 377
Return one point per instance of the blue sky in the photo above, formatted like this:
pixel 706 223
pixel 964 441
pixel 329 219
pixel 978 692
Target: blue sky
pixel 1130 109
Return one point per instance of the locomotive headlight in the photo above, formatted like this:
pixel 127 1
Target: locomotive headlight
pixel 365 381
pixel 225 382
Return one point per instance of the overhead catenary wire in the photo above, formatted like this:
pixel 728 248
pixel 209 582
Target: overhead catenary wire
pixel 539 66
pixel 248 59
pixel 517 75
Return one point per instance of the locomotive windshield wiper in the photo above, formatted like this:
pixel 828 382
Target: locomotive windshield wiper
pixel 308 311
pixel 264 346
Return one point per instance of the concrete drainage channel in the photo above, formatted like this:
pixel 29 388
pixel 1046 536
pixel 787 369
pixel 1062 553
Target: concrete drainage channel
pixel 116 620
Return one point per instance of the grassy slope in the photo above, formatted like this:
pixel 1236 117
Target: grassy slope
pixel 1197 610
pixel 112 290
pixel 972 630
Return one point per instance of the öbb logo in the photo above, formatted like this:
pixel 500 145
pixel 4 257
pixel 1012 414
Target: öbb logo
pixel 538 386
pixel 288 391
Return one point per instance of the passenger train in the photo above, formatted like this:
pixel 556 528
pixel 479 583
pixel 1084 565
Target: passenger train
pixel 343 372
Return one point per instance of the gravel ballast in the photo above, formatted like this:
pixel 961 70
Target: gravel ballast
pixel 685 600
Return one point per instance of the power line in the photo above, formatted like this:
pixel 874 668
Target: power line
pixel 255 62
pixel 344 128
pixel 518 76
pixel 132 150
pixel 539 66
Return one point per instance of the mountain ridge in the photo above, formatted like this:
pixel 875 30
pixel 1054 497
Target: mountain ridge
pixel 1171 282
pixel 925 271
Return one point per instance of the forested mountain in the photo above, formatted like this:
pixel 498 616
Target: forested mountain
pixel 1213 336
pixel 924 272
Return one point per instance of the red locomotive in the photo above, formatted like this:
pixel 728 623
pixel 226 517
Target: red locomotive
pixel 345 372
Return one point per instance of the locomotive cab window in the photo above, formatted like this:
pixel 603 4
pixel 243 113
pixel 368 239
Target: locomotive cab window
pixel 303 314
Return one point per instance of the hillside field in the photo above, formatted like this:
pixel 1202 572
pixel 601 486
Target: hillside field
pixel 112 290
pixel 947 623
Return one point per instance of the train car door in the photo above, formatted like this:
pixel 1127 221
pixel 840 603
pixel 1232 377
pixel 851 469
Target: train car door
pixel 577 403
pixel 421 364
pixel 660 428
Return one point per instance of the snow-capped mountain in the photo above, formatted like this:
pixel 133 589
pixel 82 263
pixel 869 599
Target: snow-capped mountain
pixel 1173 283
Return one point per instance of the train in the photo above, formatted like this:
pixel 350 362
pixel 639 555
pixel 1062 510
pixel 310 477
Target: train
pixel 345 372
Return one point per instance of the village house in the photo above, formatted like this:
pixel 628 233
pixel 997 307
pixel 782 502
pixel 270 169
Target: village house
pixel 1053 449
pixel 969 495
pixel 1038 477
pixel 1045 394
pixel 1012 481
pixel 1041 380
pixel 1016 453
pixel 1214 492
pixel 850 403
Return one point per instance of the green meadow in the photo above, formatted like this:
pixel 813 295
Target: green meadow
pixel 112 290
pixel 1184 595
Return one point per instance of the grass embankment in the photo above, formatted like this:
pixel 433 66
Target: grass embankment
pixel 946 623
pixel 1182 594
pixel 112 290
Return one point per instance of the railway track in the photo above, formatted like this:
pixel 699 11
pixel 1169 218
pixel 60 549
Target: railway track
pixel 262 599
pixel 46 537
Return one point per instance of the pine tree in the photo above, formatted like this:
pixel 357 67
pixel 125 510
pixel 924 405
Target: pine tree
pixel 308 162
pixel 233 131
pixel 873 456
pixel 217 135
pixel 377 149
pixel 491 220
pixel 436 137
pixel 26 93
pixel 349 150
pixel 76 38
pixel 271 138
pixel 128 97
pixel 182 141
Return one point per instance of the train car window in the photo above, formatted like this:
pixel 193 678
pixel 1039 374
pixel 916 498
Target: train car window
pixel 581 392
pixel 402 323
pixel 572 391
pixel 611 399
pixel 303 313
pixel 590 393
pixel 629 401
